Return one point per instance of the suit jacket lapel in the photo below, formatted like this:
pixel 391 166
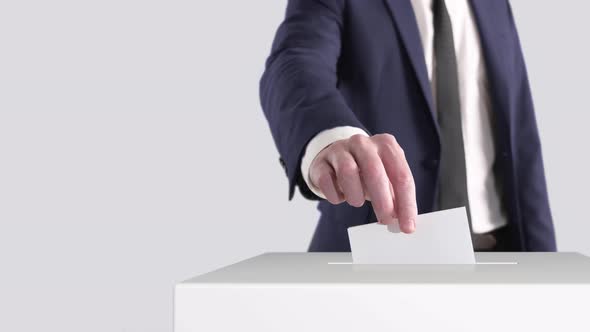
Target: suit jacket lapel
pixel 492 19
pixel 405 20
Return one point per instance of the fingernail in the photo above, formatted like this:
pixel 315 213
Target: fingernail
pixel 412 225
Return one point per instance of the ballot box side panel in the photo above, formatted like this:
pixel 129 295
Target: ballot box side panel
pixel 404 307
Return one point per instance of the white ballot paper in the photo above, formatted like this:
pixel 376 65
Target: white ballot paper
pixel 441 237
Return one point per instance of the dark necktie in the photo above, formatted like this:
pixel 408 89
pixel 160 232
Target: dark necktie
pixel 452 178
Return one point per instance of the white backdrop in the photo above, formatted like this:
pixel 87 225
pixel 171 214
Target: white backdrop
pixel 134 154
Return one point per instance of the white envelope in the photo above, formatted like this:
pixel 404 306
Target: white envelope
pixel 441 237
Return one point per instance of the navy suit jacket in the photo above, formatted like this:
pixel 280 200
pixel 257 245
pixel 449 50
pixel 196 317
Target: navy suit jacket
pixel 360 63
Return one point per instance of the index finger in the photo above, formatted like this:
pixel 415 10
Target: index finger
pixel 374 179
pixel 400 176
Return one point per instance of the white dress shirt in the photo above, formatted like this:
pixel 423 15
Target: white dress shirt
pixel 484 198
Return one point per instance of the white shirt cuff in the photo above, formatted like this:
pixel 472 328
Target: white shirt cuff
pixel 320 142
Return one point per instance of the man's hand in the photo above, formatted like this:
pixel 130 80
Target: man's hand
pixel 368 168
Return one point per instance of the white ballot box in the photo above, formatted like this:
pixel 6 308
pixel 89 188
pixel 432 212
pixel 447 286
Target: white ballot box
pixel 303 292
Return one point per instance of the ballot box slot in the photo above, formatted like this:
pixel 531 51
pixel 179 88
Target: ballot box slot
pixel 476 263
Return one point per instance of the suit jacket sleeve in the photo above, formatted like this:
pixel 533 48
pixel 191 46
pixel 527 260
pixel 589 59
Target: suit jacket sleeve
pixel 533 200
pixel 298 89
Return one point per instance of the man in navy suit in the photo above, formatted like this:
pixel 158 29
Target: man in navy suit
pixel 384 109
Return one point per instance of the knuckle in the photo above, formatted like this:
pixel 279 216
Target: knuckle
pixel 316 163
pixel 387 139
pixel 348 168
pixel 400 151
pixel 357 139
pixel 372 170
pixel 359 142
pixel 390 143
pixel 323 180
pixel 404 181
pixel 334 147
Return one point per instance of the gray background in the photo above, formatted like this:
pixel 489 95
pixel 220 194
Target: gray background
pixel 116 182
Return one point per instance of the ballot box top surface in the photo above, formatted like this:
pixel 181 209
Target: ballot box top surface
pixel 337 268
